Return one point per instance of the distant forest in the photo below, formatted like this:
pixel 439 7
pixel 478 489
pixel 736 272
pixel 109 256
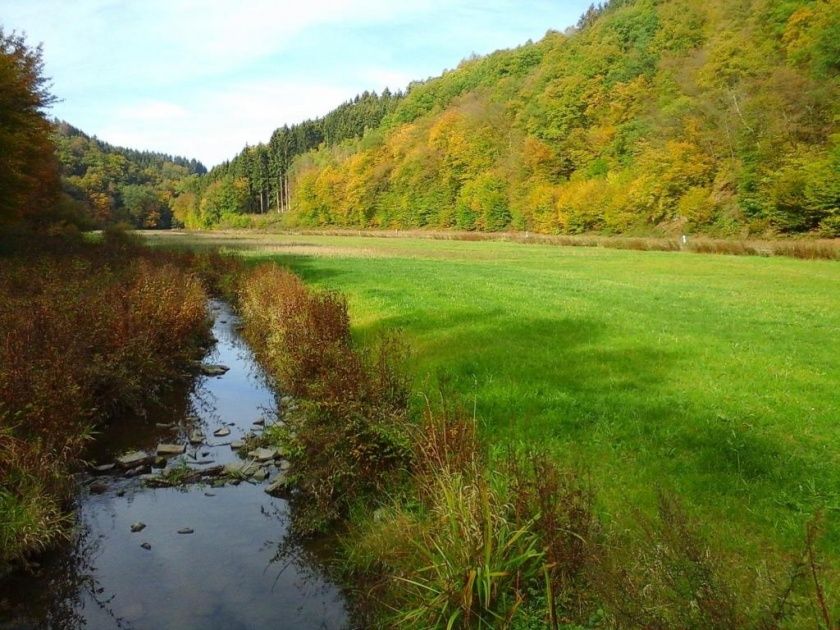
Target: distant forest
pixel 258 179
pixel 111 184
pixel 665 116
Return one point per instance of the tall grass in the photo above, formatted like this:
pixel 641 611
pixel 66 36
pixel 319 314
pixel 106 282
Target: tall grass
pixel 348 435
pixel 515 542
pixel 85 331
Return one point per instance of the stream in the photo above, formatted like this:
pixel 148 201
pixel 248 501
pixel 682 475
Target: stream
pixel 235 564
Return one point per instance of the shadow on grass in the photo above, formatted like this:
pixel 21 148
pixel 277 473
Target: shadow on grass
pixel 606 403
pixel 536 377
pixel 309 268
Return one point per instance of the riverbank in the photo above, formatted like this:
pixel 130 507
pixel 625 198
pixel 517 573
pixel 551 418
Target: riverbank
pixel 186 534
pixel 88 331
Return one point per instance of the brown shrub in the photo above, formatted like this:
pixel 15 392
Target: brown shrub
pixel 733 248
pixel 560 508
pixel 348 435
pixel 82 336
pixel 809 250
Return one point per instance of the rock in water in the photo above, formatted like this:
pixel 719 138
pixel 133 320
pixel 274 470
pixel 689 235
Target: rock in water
pixel 263 454
pixel 245 469
pixel 133 459
pixel 186 530
pixel 170 449
pixel 260 475
pixel 146 546
pixel 237 444
pixel 139 470
pixel 104 468
pixel 196 437
pixel 97 487
pixel 221 432
pixel 259 422
pixel 209 369
pixel 138 526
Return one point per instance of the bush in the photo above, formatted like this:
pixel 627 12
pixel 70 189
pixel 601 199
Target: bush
pixel 82 335
pixel 349 434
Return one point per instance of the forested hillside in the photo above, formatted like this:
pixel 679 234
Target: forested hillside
pixel 651 116
pixel 257 180
pixel 113 184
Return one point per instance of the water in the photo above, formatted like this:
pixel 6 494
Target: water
pixel 239 569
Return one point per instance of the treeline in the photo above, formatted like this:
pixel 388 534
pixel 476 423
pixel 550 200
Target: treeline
pixel 112 184
pixel 257 180
pixel 663 116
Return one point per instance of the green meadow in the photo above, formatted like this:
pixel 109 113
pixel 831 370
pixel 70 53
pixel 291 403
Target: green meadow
pixel 715 377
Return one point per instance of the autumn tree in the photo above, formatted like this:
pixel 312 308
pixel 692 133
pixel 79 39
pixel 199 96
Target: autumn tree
pixel 28 168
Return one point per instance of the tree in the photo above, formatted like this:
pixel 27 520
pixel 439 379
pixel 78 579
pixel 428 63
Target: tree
pixel 29 182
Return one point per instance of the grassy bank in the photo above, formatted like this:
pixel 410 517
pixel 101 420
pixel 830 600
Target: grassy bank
pixel 707 376
pixel 86 331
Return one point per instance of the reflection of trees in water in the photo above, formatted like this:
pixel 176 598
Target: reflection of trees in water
pixel 306 559
pixel 57 596
pixel 203 402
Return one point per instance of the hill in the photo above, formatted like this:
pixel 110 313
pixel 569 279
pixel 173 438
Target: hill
pixel 114 184
pixel 650 116
pixel 257 180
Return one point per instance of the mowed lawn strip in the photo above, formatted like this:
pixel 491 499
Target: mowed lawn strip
pixel 714 376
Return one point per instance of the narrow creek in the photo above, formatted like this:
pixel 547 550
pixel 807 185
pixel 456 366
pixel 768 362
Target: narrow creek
pixel 238 568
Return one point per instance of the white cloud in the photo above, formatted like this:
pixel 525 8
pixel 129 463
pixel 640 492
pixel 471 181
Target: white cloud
pixel 380 78
pixel 216 123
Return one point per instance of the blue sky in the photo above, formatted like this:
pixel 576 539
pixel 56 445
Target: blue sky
pixel 201 78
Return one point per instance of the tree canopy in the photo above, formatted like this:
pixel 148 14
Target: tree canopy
pixel 28 169
pixel 114 184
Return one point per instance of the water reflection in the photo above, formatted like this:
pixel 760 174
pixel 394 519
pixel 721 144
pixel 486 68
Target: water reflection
pixel 238 569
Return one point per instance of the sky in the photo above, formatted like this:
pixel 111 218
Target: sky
pixel 201 78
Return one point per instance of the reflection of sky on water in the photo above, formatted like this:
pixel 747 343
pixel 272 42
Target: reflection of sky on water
pixel 238 570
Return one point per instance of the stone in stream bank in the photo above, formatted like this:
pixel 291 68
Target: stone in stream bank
pixel 171 449
pixel 132 459
pixel 264 454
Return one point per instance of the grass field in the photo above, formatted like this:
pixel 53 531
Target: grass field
pixel 714 376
